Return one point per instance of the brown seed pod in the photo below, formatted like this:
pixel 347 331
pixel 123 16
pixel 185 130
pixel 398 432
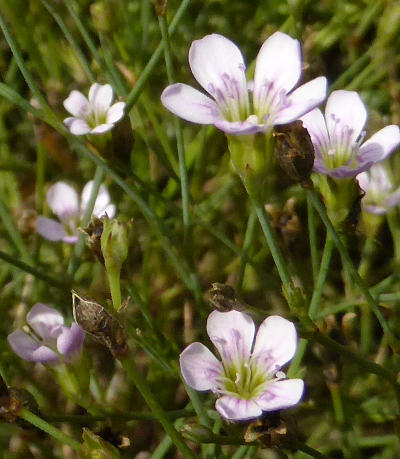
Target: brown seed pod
pixel 94 231
pixel 295 151
pixel 222 297
pixel 98 322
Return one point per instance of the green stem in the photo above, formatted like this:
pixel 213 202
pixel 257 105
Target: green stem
pixel 58 283
pixel 248 240
pixel 275 251
pixel 49 429
pixel 348 262
pixel 152 402
pixel 312 232
pixel 115 288
pixel 323 272
pixel 198 406
pixel 179 135
pixel 150 66
pixel 74 262
pixel 308 450
pixel 296 362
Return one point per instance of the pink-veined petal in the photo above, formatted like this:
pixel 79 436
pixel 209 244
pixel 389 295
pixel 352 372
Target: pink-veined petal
pixel 237 409
pixel 302 100
pixel 45 321
pixel 276 342
pixel 50 229
pixel 102 200
pixel 102 128
pixel 100 97
pixel 29 349
pixel 214 57
pixel 239 127
pixel 77 126
pixel 115 112
pixel 345 109
pixel 199 367
pixel 190 104
pixel 76 104
pixel 70 341
pixel 314 122
pixel 380 145
pixel 232 333
pixel 63 201
pixel 281 394
pixel 278 61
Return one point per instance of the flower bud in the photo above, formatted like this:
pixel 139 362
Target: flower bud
pixel 95 447
pixel 95 320
pixel 114 243
pixel 197 433
pixel 295 151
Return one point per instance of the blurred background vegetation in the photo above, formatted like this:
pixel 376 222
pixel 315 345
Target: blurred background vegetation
pixel 68 45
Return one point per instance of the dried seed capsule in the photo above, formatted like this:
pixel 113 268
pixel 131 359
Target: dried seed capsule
pixel 98 322
pixel 295 151
pixel 222 297
pixel 94 231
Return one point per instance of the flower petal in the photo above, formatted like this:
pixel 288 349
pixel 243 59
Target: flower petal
pixel 278 62
pixel 199 367
pixel 393 199
pixel 239 127
pixel 345 109
pixel 63 201
pixel 50 229
pixel 45 321
pixel 281 394
pixel 76 104
pixel 314 122
pixel 213 58
pixel 100 97
pixel 302 100
pixel 109 211
pixel 70 342
pixel 237 409
pixel 232 333
pixel 102 128
pixel 77 126
pixel 29 349
pixel 102 200
pixel 115 112
pixel 276 342
pixel 190 104
pixel 70 239
pixel 380 145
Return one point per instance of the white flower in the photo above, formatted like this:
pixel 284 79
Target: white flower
pixel 218 65
pixel 338 138
pixel 93 116
pixel 64 202
pixel 249 379
pixel 380 195
pixel 50 338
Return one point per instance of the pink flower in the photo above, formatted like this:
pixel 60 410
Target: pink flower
pixel 248 378
pixel 64 202
pixel 338 138
pixel 93 116
pixel 380 195
pixel 49 340
pixel 218 65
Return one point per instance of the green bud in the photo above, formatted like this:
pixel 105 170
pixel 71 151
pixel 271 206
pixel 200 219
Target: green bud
pixel 251 157
pixel 342 199
pixel 197 433
pixel 114 243
pixel 94 447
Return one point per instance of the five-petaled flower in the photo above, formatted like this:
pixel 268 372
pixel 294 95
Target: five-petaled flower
pixel 380 194
pixel 48 340
pixel 93 116
pixel 64 202
pixel 337 138
pixel 218 65
pixel 249 379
